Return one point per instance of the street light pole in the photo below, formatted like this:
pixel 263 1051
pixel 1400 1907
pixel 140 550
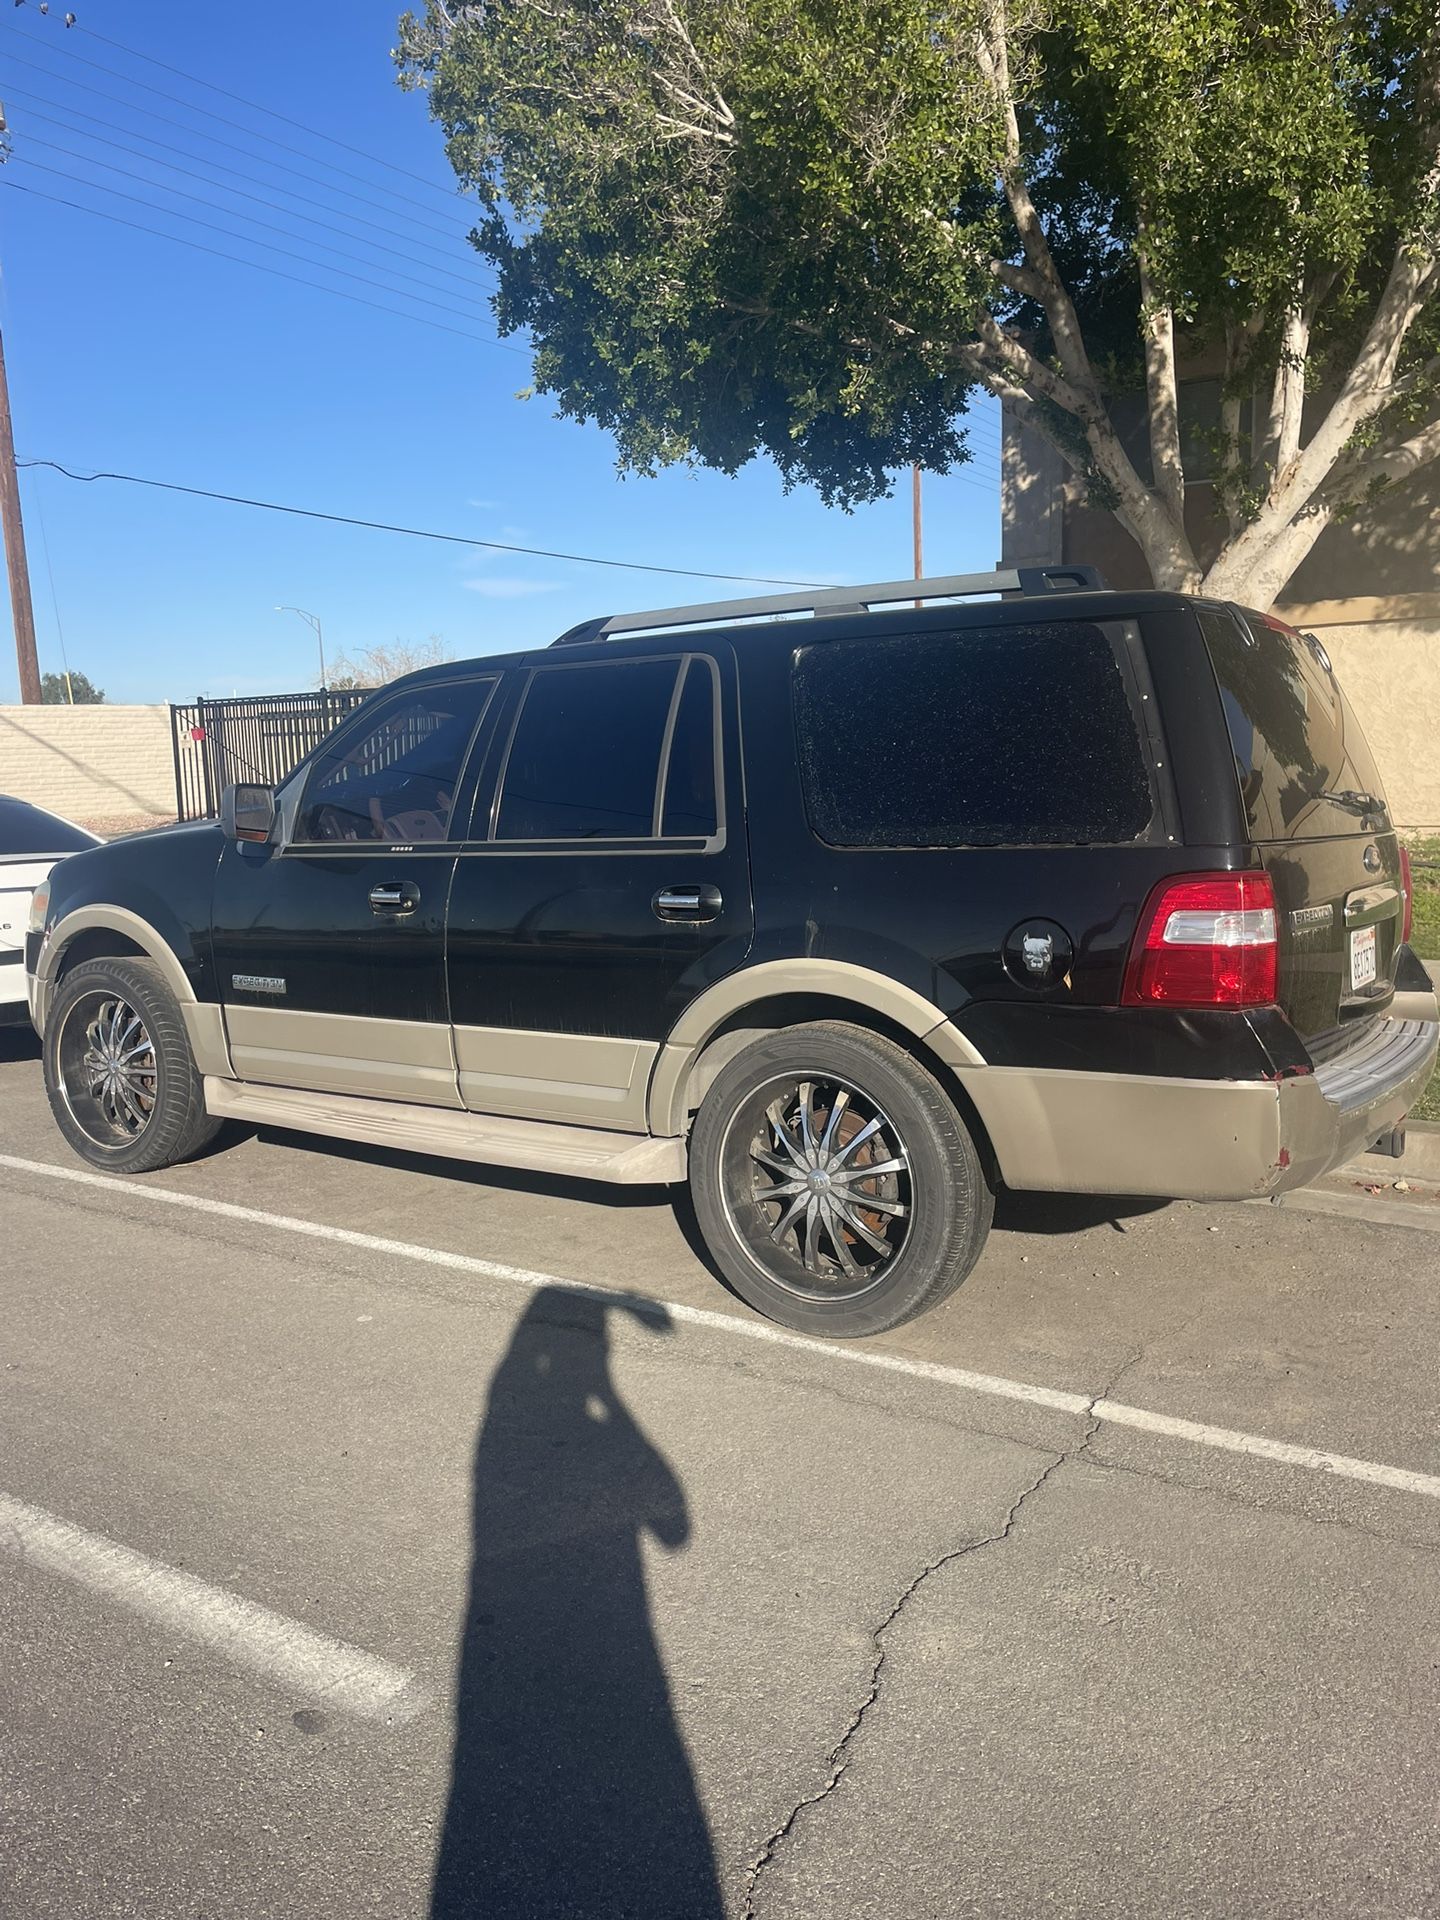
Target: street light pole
pixel 311 620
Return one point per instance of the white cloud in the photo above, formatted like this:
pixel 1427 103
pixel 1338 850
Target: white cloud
pixel 499 586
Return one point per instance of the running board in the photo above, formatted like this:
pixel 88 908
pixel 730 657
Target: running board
pixel 538 1146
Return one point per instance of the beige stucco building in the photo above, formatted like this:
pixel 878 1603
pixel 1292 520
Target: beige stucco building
pixel 1370 588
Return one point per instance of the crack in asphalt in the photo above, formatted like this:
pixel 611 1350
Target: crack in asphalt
pixel 838 1759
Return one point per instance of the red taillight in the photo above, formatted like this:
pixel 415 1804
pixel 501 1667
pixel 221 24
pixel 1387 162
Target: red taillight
pixel 1207 940
pixel 1407 887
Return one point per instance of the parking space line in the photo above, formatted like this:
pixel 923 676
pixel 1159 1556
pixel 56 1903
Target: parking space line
pixel 1283 1454
pixel 278 1649
pixel 1316 1460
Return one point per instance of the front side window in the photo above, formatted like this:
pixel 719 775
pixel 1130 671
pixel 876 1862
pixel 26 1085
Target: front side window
pixel 1019 736
pixel 585 762
pixel 394 777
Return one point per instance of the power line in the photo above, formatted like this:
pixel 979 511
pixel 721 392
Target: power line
pixel 983 461
pixel 256 266
pixel 255 105
pixel 420 533
pixel 237 126
pixel 980 462
pixel 340 294
pixel 358 299
pixel 163 186
pixel 210 226
pixel 218 166
pixel 167 120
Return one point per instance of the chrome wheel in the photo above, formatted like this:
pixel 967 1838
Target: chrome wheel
pixel 822 1195
pixel 108 1069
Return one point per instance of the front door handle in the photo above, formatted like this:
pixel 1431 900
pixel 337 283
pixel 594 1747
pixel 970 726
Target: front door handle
pixel 687 903
pixel 396 897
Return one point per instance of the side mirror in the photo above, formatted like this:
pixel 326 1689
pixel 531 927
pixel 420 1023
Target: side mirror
pixel 247 813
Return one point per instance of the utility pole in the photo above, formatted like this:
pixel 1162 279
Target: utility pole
pixel 915 519
pixel 20 607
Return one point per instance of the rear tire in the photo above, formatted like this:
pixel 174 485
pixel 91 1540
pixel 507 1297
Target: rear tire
pixel 122 1081
pixel 836 1186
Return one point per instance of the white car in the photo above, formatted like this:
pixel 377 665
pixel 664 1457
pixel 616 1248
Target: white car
pixel 31 841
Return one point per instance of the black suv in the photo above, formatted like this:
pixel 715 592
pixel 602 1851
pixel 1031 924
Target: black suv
pixel 846 918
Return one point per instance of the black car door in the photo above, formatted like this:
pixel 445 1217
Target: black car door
pixel 329 945
pixel 605 883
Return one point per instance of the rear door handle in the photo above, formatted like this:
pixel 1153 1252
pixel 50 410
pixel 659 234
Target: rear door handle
pixel 687 903
pixel 394 897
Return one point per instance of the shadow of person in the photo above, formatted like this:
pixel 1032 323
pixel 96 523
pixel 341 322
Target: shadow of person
pixel 571 1792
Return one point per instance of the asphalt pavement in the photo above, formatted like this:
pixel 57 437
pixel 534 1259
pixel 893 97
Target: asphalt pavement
pixel 380 1536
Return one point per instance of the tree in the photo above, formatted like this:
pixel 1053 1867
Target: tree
pixel 814 232
pixel 378 666
pixel 54 691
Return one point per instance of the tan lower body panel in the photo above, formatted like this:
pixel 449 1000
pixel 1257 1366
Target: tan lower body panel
pixel 1414 1006
pixel 343 1053
pixel 584 1153
pixel 1061 1132
pixel 575 1078
pixel 205 1030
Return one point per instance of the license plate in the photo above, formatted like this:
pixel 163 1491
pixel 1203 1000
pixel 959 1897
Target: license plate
pixel 1362 956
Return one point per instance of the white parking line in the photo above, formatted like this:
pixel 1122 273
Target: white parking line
pixel 1195 1433
pixel 282 1650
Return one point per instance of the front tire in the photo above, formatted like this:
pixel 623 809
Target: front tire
pixel 119 1073
pixel 836 1186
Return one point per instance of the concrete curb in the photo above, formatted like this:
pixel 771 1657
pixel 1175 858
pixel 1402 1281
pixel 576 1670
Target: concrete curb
pixel 1421 1160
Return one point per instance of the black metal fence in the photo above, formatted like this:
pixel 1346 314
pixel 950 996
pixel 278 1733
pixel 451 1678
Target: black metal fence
pixel 219 742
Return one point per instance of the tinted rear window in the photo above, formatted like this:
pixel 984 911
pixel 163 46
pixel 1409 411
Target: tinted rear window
pixel 982 737
pixel 1304 767
pixel 27 829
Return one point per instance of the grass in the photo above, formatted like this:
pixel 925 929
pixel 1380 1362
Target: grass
pixel 1425 866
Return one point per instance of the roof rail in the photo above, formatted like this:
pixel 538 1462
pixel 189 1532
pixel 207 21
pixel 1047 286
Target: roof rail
pixel 954 586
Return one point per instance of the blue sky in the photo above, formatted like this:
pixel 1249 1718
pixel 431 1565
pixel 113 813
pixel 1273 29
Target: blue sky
pixel 129 352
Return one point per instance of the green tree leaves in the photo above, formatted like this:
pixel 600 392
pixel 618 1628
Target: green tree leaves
pixel 65 689
pixel 736 227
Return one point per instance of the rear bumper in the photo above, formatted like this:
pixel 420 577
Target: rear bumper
pixel 1058 1131
pixel 1347 1104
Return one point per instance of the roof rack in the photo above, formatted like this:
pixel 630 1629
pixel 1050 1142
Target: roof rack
pixel 954 586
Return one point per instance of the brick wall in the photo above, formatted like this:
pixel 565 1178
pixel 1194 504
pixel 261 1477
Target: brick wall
pixel 89 763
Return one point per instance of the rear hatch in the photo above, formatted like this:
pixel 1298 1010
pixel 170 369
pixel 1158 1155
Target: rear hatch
pixel 1317 815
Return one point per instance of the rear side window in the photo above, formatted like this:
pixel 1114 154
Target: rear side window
pixel 981 737
pixel 1304 767
pixel 585 761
